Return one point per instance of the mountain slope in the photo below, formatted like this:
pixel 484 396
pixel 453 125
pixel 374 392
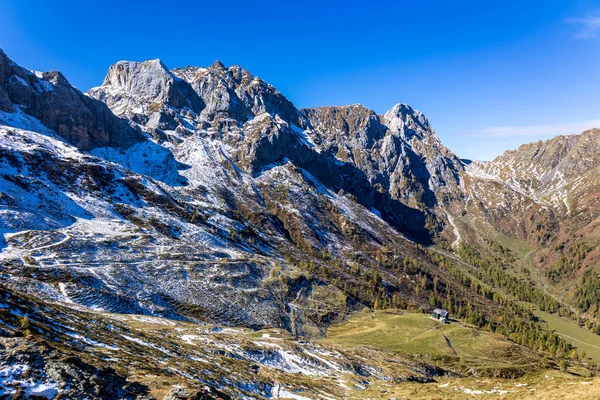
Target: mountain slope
pixel 208 198
pixel 260 127
pixel 557 172
pixel 559 179
pixel 104 226
pixel 48 97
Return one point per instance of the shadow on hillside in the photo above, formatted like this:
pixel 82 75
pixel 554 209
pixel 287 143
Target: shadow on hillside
pixel 336 175
pixel 147 158
pixel 405 219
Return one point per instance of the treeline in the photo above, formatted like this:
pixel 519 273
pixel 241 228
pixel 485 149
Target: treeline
pixel 495 276
pixel 508 318
pixel 569 261
pixel 513 321
pixel 505 254
pixel 587 295
pixel 363 285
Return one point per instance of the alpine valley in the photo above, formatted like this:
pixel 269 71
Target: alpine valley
pixel 191 234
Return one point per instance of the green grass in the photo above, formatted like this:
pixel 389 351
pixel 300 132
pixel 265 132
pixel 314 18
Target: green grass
pixel 407 333
pixel 519 247
pixel 456 344
pixel 579 337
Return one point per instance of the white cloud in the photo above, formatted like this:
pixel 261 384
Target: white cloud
pixel 535 130
pixel 588 26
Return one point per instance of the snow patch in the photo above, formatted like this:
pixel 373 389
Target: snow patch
pixel 11 376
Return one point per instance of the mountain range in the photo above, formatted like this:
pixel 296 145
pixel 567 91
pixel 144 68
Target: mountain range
pixel 155 225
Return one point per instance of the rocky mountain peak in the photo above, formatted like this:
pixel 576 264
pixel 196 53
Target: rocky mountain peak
pixel 408 123
pixel 48 101
pixel 217 65
pixel 398 151
pixel 145 83
pixel 124 73
pixel 401 110
pixel 56 78
pixel 219 96
pixel 349 147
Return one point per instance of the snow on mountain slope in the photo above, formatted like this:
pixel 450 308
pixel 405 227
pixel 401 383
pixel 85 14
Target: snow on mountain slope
pixel 191 240
pixel 256 125
pixel 215 201
pixel 231 180
pixel 163 353
pixel 549 171
pixel 50 98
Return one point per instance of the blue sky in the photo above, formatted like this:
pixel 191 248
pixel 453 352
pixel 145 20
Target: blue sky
pixel 489 75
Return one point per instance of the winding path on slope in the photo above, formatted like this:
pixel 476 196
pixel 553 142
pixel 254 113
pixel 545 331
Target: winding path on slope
pixel 66 238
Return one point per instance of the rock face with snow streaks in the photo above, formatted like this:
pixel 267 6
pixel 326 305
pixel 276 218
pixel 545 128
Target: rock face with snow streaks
pixel 83 121
pixel 260 127
pixel 148 83
pixel 551 169
pixel 399 151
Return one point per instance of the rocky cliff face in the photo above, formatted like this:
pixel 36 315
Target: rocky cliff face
pixel 399 151
pixel 83 121
pixel 556 172
pixel 234 93
pixel 227 104
pixel 191 98
pixel 261 129
pixel 138 84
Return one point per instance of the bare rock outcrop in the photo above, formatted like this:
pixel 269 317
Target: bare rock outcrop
pixel 81 120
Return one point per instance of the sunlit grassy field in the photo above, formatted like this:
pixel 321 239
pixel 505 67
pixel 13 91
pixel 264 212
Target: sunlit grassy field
pixel 461 348
pixel 579 337
pixel 456 344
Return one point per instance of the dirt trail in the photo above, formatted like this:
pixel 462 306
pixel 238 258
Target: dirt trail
pixel 577 340
pixel 65 239
pixel 449 343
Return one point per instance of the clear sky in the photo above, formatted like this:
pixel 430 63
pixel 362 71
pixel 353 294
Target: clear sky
pixel 490 75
